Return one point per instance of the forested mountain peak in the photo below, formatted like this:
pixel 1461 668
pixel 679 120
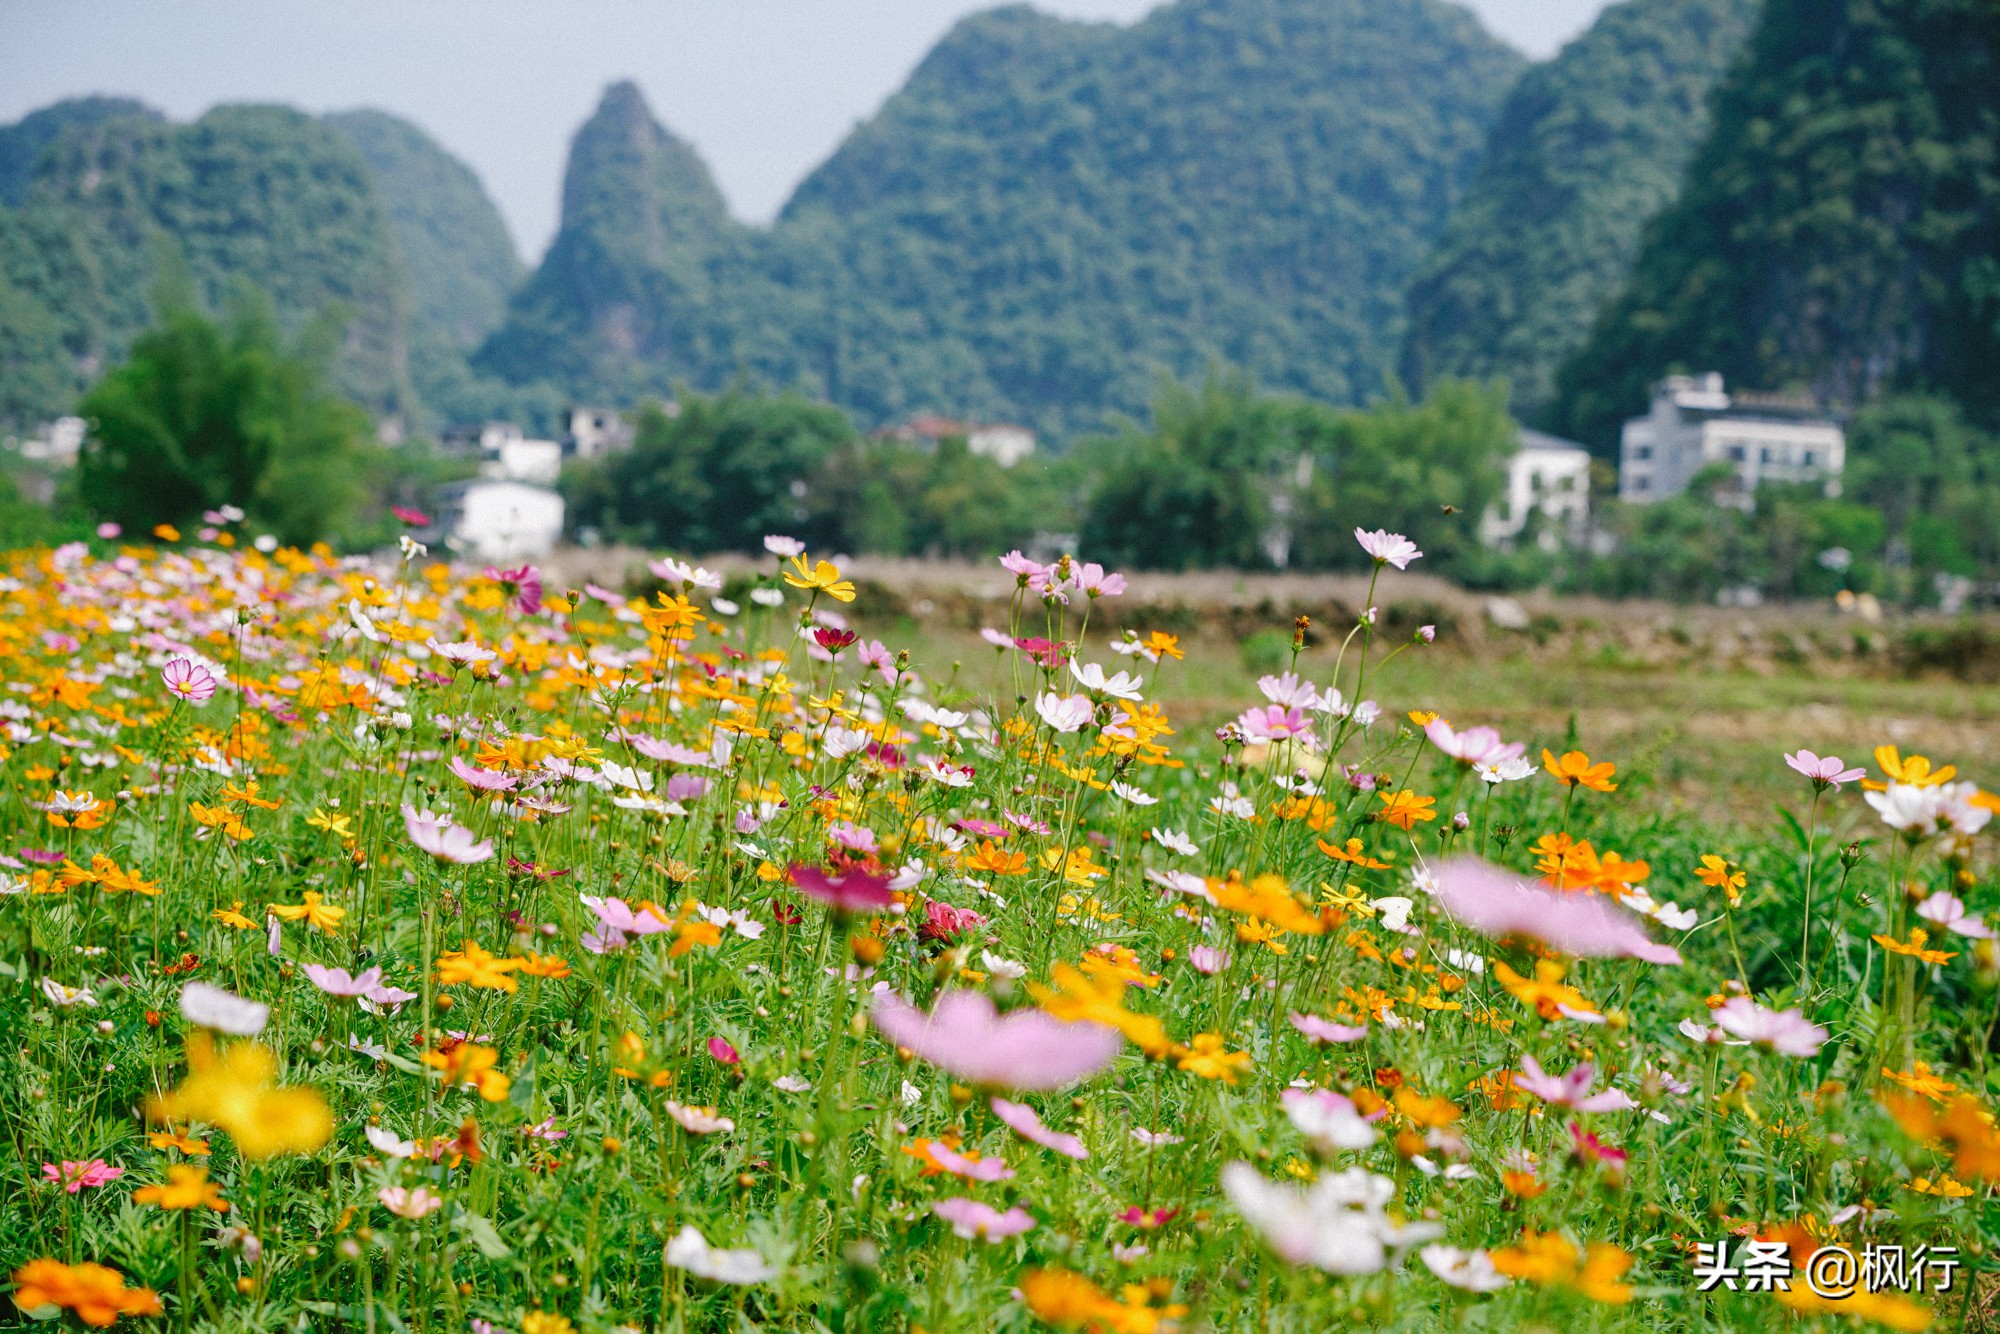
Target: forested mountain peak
pixel 1588 146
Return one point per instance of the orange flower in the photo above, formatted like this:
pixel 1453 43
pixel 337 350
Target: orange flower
pixel 473 1066
pixel 1914 948
pixel 1727 876
pixel 95 1292
pixel 1405 810
pixel 186 1187
pixel 1553 1260
pixel 1575 768
pixel 1353 855
pixel 544 965
pixel 476 966
pixel 991 859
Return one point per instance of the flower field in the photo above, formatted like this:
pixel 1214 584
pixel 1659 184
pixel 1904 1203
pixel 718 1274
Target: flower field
pixel 389 945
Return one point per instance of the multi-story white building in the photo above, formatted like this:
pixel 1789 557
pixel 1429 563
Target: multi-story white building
pixel 1546 474
pixel 1694 423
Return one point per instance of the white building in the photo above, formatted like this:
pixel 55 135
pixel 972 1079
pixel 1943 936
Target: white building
pixel 595 431
pixel 507 455
pixel 499 520
pixel 59 442
pixel 1546 475
pixel 1694 423
pixel 1005 445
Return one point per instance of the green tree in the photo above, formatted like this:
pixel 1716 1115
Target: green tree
pixel 211 412
pixel 716 474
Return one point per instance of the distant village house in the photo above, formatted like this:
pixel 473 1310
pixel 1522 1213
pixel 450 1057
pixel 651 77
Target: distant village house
pixel 1005 444
pixel 1546 476
pixel 1694 423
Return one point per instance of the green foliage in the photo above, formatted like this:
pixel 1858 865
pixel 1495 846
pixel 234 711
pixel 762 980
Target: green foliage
pixel 209 413
pixel 893 499
pixel 1587 147
pixel 716 476
pixel 1229 477
pixel 1047 216
pixel 1839 228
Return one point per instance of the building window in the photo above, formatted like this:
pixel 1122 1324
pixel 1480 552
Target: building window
pixel 1641 483
pixel 1642 452
pixel 1736 453
pixel 1809 458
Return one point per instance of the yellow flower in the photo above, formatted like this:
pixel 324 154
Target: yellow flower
pixel 1353 855
pixel 230 916
pixel 312 911
pixel 1080 998
pixel 1718 873
pixel 1269 899
pixel 234 1092
pixel 1423 717
pixel 690 934
pixel 1553 1260
pixel 1119 962
pixel 1162 645
pixel 1545 992
pixel 1915 771
pixel 186 1187
pixel 340 826
pixel 546 1322
pixel 992 859
pixel 221 817
pixel 173 1139
pixel 1914 948
pixel 1944 1186
pixel 1206 1057
pixel 1575 769
pixel 823 576
pixel 1405 810
pixel 475 966
pixel 544 965
pixel 471 1066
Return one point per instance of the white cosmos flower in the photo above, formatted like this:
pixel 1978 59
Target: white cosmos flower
pixel 792 1084
pixel 1470 1270
pixel 390 1143
pixel 1337 1224
pixel 1292 691
pixel 1173 840
pixel 1064 713
pixel 1122 685
pixel 690 1250
pixel 64 997
pixel 1137 796
pixel 697 1120
pixel 637 780
pixel 678 571
pixel 784 548
pixel 223 1011
pixel 1000 966
pixel 1505 771
pixel 1329 1121
pixel 768 597
pixel 1907 807
pixel 840 742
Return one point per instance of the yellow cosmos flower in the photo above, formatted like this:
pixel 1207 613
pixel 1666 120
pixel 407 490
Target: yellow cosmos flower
pixel 1405 810
pixel 186 1187
pixel 1207 1057
pixel 821 576
pixel 473 965
pixel 234 1092
pixel 312 910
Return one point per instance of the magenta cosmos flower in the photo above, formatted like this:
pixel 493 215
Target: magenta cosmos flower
pixel 982 1222
pixel 448 842
pixel 1571 1090
pixel 1026 1049
pixel 1825 771
pixel 1499 903
pixel 1272 722
pixel 855 892
pixel 1021 1119
pixel 1317 1029
pixel 1387 548
pixel 74 1177
pixel 524 585
pixel 188 680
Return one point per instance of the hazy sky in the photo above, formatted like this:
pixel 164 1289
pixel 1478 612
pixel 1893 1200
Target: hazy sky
pixel 765 89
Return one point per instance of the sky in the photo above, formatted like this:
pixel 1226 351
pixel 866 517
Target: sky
pixel 764 89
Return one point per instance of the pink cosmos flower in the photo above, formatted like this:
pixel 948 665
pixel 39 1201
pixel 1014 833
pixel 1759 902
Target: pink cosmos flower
pixel 77 1176
pixel 1325 1030
pixel 854 837
pixel 545 1129
pixel 1571 1090
pixel 1207 960
pixel 339 982
pixel 1825 771
pixel 720 1049
pixel 524 585
pixel 1499 903
pixel 1026 1049
pixel 1387 548
pixel 1021 1119
pixel 617 919
pixel 444 840
pixel 1330 1121
pixel 671 752
pixel 1092 579
pixel 982 1222
pixel 1272 722
pixel 188 680
pixel 944 923
pixel 972 1169
pixel 784 548
pixel 1475 746
pixel 413 1204
pixel 1588 1148
pixel 1024 569
pixel 855 892
pixel 1290 690
pixel 997 638
pixel 687 787
pixel 1947 910
pixel 1786 1032
pixel 483 780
